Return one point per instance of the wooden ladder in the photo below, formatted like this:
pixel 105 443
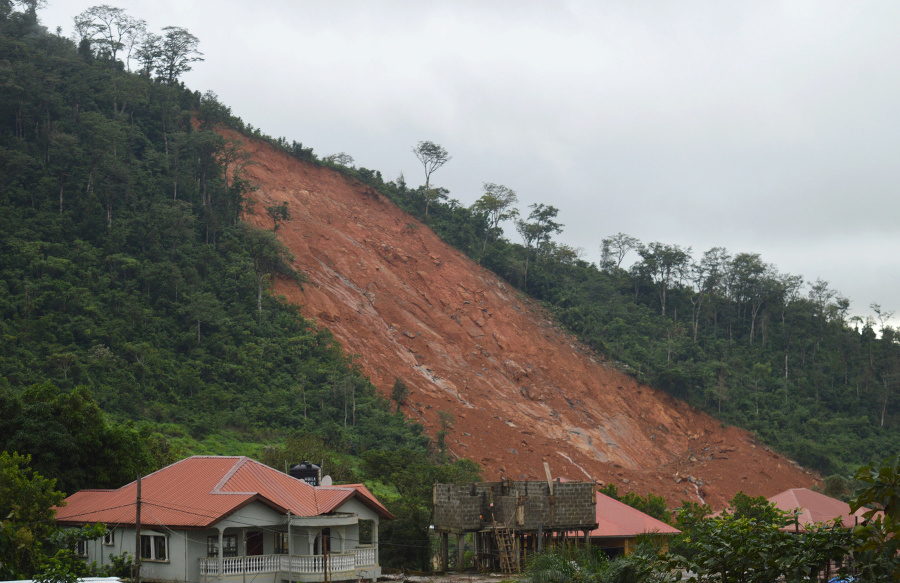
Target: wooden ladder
pixel 509 562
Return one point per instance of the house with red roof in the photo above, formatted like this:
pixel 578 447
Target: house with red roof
pixel 233 519
pixel 620 525
pixel 812 508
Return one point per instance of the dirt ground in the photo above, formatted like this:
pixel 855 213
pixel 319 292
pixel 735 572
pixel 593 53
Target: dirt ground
pixel 521 391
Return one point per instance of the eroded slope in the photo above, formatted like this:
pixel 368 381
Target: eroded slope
pixel 522 391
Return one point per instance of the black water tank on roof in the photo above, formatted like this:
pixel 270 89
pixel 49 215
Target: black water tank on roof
pixel 307 472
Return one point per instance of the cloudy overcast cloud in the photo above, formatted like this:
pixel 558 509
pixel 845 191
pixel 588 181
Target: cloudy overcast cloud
pixel 767 127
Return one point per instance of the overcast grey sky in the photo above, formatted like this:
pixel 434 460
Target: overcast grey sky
pixel 761 126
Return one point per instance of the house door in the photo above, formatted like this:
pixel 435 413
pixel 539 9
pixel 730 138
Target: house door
pixel 254 543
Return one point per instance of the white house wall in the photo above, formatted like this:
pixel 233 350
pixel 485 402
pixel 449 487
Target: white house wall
pixel 176 568
pixel 252 516
pixel 354 506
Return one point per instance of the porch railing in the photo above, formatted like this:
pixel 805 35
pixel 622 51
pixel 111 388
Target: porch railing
pixel 360 557
pixel 365 555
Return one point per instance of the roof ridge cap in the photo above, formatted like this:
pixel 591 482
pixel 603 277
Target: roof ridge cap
pixel 230 474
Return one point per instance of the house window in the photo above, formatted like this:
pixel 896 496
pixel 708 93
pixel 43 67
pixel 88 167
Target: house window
pixel 229 546
pixel 154 547
pixel 81 548
pixel 281 543
pixel 109 538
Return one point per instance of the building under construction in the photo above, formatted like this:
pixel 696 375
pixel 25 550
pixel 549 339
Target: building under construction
pixel 511 519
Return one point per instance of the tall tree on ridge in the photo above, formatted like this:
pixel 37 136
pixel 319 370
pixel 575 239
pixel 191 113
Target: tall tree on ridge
pixel 496 202
pixel 664 264
pixel 537 228
pixel 178 51
pixel 432 156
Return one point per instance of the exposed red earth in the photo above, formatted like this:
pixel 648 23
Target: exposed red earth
pixel 522 390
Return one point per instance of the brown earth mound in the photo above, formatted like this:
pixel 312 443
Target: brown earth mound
pixel 521 390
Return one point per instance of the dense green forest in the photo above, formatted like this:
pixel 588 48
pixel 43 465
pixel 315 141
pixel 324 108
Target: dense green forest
pixel 135 326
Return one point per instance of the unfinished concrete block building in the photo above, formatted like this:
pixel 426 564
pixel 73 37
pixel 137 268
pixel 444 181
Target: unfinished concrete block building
pixel 509 519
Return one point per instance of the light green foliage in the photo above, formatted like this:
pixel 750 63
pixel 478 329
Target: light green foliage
pixel 566 565
pixel 752 542
pixel 26 515
pixel 31 545
pixel 650 504
pixel 878 541
pixel 755 508
pixel 65 566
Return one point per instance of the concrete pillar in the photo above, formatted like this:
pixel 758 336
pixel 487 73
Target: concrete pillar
pixel 375 539
pixel 460 552
pixel 445 550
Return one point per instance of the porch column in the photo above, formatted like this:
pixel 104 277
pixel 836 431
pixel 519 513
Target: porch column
pixel 375 539
pixel 290 549
pixel 220 569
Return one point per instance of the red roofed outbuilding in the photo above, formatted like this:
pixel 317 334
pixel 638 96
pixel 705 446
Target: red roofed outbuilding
pixel 619 526
pixel 814 508
pixel 224 518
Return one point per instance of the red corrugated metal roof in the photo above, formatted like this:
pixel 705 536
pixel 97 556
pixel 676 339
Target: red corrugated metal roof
pixel 199 491
pixel 330 497
pixel 814 507
pixel 615 519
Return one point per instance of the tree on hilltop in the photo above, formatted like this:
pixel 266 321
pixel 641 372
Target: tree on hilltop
pixel 537 228
pixel 495 203
pixel 179 50
pixel 432 156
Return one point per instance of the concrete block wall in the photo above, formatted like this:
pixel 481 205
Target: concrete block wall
pixel 468 507
pixel 575 503
pixel 458 507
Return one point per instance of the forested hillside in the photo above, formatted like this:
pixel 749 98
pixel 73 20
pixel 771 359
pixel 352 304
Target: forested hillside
pixel 135 322
pixel 126 269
